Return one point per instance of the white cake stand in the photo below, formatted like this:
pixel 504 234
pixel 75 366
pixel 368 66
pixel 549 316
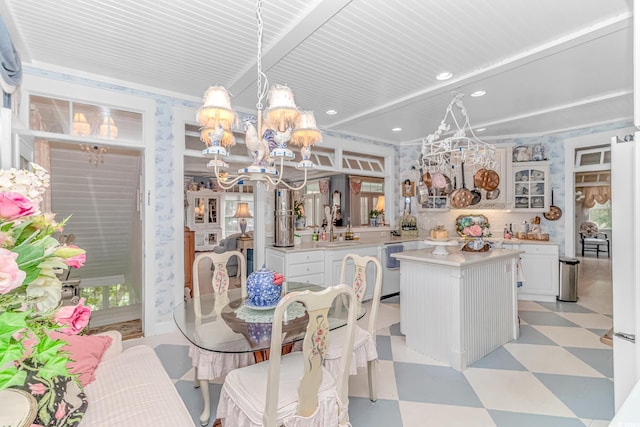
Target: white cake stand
pixel 440 245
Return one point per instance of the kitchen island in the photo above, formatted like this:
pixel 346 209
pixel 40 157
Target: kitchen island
pixel 457 308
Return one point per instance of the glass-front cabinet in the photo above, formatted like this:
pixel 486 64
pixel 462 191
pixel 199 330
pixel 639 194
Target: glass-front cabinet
pixel 531 186
pixel 203 217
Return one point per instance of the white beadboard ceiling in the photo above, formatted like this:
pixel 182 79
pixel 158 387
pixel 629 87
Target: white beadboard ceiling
pixel 546 65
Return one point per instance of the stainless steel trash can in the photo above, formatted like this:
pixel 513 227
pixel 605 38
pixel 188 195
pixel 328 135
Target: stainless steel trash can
pixel 568 290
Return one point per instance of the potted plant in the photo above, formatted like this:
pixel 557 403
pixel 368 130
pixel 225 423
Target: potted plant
pixel 373 217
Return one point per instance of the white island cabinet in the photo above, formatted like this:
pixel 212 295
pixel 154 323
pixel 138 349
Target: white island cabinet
pixel 457 308
pixel 540 270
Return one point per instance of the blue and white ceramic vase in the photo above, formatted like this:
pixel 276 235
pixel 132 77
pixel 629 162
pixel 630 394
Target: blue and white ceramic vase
pixel 260 288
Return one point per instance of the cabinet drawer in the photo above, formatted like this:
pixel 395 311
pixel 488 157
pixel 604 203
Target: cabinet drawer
pixel 540 249
pixel 305 257
pixel 304 269
pixel 316 279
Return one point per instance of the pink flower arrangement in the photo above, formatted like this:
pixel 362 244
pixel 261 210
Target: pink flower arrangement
pixel 73 319
pixel 10 275
pixel 278 279
pixel 15 205
pixel 473 231
pixel 31 260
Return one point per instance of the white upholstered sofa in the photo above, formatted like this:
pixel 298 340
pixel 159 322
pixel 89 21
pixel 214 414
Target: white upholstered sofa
pixel 133 389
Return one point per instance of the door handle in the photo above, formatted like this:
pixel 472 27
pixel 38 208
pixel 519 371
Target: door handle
pixel 626 337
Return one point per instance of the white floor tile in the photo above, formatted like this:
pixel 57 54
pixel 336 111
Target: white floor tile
pixel 386 385
pixel 402 353
pixel 416 414
pixel 571 336
pixel 530 306
pixel 515 391
pixel 550 359
pixel 171 338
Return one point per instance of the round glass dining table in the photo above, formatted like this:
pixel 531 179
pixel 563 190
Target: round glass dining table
pixel 230 326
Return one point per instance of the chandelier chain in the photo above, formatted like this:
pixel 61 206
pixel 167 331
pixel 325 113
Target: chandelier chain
pixel 263 83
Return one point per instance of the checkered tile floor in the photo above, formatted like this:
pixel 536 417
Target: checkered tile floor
pixel 557 373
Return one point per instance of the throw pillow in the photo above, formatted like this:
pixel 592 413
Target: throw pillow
pixel 61 400
pixel 85 352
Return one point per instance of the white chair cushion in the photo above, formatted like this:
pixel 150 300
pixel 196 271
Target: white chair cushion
pixel 364 350
pixel 247 386
pixel 594 240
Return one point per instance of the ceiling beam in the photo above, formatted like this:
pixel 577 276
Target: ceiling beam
pixel 289 38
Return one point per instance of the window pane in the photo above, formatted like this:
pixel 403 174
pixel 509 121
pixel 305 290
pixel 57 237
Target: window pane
pixel 93 297
pixel 601 215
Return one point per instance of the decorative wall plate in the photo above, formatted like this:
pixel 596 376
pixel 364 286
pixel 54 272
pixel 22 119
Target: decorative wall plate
pixel 464 221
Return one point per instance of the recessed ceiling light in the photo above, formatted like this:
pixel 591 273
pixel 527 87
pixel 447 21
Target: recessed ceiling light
pixel 396 129
pixel 444 75
pixel 478 93
pixel 331 112
pixel 481 129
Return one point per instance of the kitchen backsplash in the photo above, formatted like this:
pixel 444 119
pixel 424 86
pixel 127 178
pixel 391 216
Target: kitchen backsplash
pixel 428 219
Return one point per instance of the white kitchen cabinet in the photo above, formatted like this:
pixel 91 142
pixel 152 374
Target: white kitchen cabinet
pixel 540 269
pixel 304 266
pixel 203 217
pixel 531 186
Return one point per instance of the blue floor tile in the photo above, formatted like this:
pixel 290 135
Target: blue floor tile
pixel 395 329
pixel 599 359
pixel 192 398
pixel 565 307
pixel 175 359
pixel 391 300
pixel 599 332
pixel 530 335
pixel 512 419
pixel 383 344
pixel 499 359
pixel 382 413
pixel 590 398
pixel 545 318
pixel 434 384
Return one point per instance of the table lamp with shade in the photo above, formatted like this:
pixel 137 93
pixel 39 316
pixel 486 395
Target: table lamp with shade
pixel 380 208
pixel 242 212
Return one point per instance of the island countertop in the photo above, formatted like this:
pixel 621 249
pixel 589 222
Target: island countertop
pixel 456 257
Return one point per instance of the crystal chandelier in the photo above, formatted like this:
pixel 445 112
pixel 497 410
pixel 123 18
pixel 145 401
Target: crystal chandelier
pixel 283 123
pixel 95 153
pixel 440 154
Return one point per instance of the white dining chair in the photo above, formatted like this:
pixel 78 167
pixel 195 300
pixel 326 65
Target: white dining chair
pixel 210 275
pixel 365 352
pixel 294 390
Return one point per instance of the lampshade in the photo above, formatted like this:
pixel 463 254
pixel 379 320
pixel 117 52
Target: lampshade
pixel 81 126
pixel 380 204
pixel 216 112
pixel 243 211
pixel 306 132
pixel 282 112
pixel 108 128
